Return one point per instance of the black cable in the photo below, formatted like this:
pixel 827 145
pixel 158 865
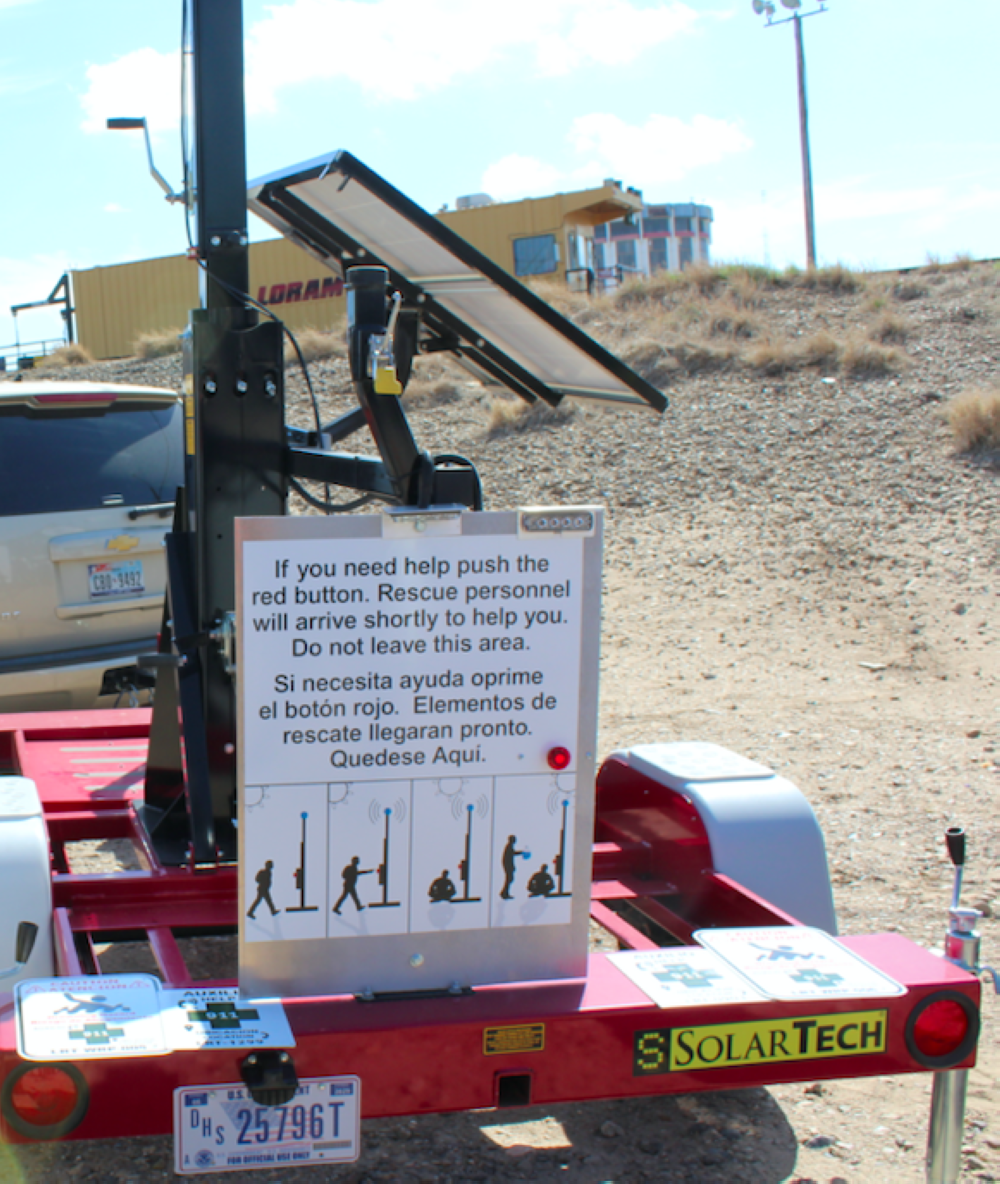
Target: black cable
pixel 329 507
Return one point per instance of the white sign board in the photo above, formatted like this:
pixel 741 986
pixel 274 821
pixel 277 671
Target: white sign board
pixel 790 962
pixel 684 976
pixel 101 1017
pixel 417 703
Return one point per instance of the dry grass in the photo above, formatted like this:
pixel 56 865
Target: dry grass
pixel 836 278
pixel 727 317
pixel 888 329
pixel 434 394
pixel 66 355
pixel 653 361
pixel 771 355
pixel 863 358
pixel 158 345
pixel 509 415
pixel 907 290
pixel 316 345
pixel 974 419
pixel 818 349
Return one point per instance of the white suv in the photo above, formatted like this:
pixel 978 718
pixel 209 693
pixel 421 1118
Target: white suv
pixel 88 477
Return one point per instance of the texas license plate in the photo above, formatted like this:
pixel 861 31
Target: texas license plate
pixel 220 1128
pixel 115 579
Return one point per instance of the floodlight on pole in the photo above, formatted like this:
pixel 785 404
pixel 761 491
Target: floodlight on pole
pixel 126 125
pixel 765 8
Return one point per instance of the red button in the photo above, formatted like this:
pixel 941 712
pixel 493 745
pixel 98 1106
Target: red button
pixel 559 758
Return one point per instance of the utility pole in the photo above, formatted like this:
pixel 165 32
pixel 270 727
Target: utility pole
pixel 766 8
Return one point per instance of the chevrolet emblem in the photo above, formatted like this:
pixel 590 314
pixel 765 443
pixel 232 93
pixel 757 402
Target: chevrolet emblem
pixel 124 542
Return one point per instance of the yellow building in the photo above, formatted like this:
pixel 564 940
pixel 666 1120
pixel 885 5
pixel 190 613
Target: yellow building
pixel 552 236
pixel 542 235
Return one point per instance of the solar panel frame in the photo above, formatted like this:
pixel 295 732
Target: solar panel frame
pixel 301 203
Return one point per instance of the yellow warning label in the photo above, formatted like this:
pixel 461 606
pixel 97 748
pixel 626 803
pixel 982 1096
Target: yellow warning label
pixel 759 1042
pixel 523 1038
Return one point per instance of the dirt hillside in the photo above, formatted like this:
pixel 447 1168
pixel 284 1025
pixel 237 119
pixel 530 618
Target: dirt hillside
pixel 799 566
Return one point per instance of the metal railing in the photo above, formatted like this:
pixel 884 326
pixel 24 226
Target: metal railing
pixel 25 355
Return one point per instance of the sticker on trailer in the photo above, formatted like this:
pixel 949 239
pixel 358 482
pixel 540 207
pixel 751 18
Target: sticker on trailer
pixel 758 1042
pixel 217 1017
pixel 685 976
pixel 796 962
pixel 89 1018
pixel 220 1128
pixel 129 1015
pixel 417 704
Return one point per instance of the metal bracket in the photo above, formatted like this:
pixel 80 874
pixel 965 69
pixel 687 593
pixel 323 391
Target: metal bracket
pixel 224 636
pixel 270 1077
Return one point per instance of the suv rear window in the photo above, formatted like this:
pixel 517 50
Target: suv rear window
pixel 55 461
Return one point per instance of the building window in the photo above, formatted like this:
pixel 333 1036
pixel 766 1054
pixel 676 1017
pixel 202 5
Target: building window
pixel 686 252
pixel 600 256
pixel 657 211
pixel 658 257
pixel 656 226
pixel 600 231
pixel 706 226
pixel 623 229
pixel 626 254
pixel 537 255
pixel 683 225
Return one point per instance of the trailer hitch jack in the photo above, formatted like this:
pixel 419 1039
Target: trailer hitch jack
pixel 270 1077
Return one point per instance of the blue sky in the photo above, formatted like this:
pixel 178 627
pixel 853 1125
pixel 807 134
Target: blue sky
pixel 686 101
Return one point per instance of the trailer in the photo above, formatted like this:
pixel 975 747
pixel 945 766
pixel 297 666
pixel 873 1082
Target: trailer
pixel 371 767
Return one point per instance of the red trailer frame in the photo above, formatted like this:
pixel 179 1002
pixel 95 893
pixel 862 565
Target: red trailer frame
pixel 496 1045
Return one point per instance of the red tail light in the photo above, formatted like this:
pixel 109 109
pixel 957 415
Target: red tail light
pixel 44 1101
pixel 942 1029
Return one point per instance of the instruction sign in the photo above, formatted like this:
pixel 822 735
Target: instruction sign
pixel 417 697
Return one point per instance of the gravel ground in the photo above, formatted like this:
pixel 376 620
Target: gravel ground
pixel 801 569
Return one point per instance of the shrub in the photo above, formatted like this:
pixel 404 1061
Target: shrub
pixel 974 419
pixel 67 355
pixel 818 349
pixel 907 290
pixel 888 328
pixel 771 355
pixel 652 361
pixel 836 278
pixel 725 317
pixel 317 345
pixel 158 345
pixel 514 415
pixel 438 393
pixel 861 358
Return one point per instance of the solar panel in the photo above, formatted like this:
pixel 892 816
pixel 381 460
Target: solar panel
pixel 344 214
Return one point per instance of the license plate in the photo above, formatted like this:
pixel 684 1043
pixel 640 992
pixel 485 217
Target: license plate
pixel 115 579
pixel 220 1128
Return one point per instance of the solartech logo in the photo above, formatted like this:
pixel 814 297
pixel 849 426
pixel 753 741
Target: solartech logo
pixel 299 290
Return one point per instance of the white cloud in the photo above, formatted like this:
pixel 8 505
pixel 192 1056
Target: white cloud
pixel 651 156
pixel 411 49
pixel 395 49
pixel 515 177
pixel 144 82
pixel 658 152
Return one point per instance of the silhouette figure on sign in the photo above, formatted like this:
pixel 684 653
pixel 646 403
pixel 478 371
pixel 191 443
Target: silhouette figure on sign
pixel 442 889
pixel 509 860
pixel 541 883
pixel 263 878
pixel 95 1005
pixel 350 876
